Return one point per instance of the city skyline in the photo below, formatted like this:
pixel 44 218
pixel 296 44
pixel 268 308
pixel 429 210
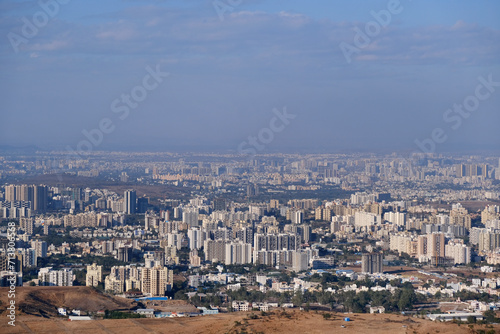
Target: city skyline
pixel 221 233
pixel 250 166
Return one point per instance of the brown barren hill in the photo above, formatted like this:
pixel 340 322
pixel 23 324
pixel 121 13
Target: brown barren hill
pixel 44 300
pixel 247 322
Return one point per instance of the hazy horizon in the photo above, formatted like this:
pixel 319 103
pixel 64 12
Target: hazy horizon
pixel 228 69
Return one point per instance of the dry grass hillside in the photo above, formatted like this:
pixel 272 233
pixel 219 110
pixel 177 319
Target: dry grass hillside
pixel 44 301
pixel 278 322
pixel 37 313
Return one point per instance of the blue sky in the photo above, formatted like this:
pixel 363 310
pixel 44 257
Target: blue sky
pixel 226 76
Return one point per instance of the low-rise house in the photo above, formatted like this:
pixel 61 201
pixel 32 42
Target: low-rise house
pixel 241 306
pixel 462 316
pixel 377 309
pixel 148 312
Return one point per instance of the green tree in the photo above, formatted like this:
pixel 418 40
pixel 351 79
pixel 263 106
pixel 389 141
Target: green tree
pixel 407 299
pixel 180 295
pixel 471 319
pixel 363 298
pixel 490 317
pixel 298 298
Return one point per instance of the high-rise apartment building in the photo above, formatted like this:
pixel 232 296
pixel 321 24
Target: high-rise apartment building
pixel 40 248
pixel 436 243
pixel 62 277
pixel 458 251
pixel 124 254
pixel 40 196
pixel 195 238
pixel 238 253
pixel 489 240
pixel 10 193
pixel 94 275
pixel 365 219
pixel 282 241
pixel 371 263
pixel 130 198
pixel 463 170
pixel 322 213
pixel 215 250
pixel 24 193
pixel 296 216
pixel 156 281
pixel 397 218
pixel 299 261
pixel 431 246
pixel 220 204
pixel 190 217
pixel 27 224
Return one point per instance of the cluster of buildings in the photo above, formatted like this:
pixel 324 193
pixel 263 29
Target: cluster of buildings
pixel 23 200
pixel 153 279
pixel 247 212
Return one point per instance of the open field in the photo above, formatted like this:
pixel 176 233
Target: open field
pixel 278 322
pixel 154 191
pixel 37 313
